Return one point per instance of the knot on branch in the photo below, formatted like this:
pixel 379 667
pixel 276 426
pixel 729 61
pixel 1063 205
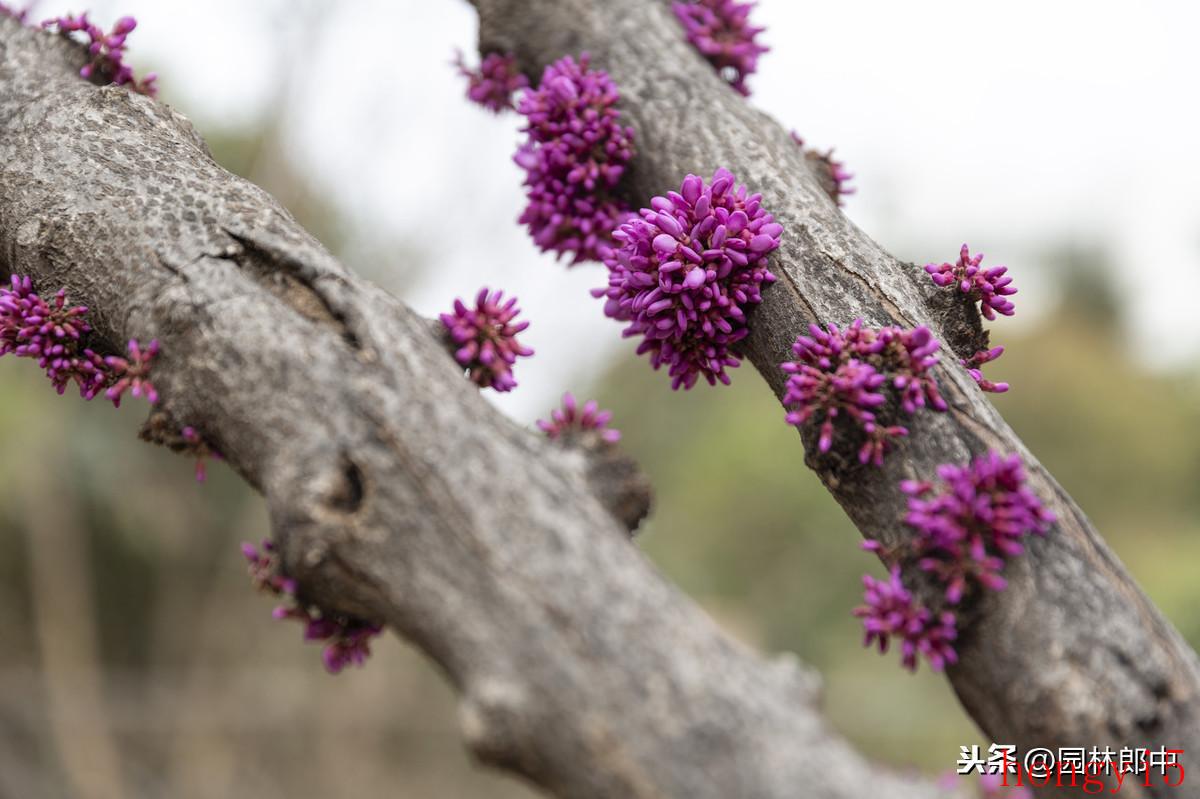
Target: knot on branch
pixel 490 716
pixel 615 478
pixel 619 483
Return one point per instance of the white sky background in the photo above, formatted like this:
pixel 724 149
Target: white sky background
pixel 1014 126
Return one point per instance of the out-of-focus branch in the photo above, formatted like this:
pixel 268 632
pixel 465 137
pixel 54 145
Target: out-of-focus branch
pixel 1072 653
pixel 395 491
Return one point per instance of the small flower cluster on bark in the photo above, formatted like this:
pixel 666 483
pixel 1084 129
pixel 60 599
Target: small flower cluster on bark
pixel 831 173
pixel 967 527
pixel 53 332
pixel 991 288
pixel 844 378
pixel 572 421
pixel 485 338
pixel 494 82
pixel 347 641
pixel 721 31
pixel 107 50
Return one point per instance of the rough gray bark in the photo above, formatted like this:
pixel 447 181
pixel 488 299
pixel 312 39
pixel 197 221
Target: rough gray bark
pixel 395 491
pixel 1072 653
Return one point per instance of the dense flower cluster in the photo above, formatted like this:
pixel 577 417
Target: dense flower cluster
pixel 574 156
pixel 843 374
pixel 347 641
pixel 570 420
pixel 991 287
pixel 890 610
pixel 495 81
pixel 971 525
pixel 52 333
pixel 721 31
pixel 107 51
pixel 486 337
pixel 685 273
pixel 973 363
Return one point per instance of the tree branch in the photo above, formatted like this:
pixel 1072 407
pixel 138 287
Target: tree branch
pixel 395 492
pixel 1072 653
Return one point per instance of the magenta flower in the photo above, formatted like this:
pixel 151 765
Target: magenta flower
pixel 968 527
pixel 50 333
pixel 890 610
pixel 832 174
pixel 845 374
pixel 486 336
pixel 991 287
pixel 349 645
pixel 570 420
pixel 574 156
pixel 721 31
pixel 686 272
pixel 132 374
pixel 107 51
pixel 495 82
pixel 981 357
pixel 264 569
pixel 348 641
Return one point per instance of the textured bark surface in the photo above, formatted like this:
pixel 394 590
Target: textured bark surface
pixel 395 491
pixel 1073 653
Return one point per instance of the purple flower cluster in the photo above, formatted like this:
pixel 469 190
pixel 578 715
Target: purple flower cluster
pixel 574 156
pixel 843 374
pixel 132 374
pixel 721 31
pixel 890 610
pixel 486 337
pixel 969 527
pixel 981 357
pixel 991 287
pixel 107 51
pixel 571 420
pixel 831 173
pixel 495 82
pixel 52 333
pixel 685 273
pixel 347 641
